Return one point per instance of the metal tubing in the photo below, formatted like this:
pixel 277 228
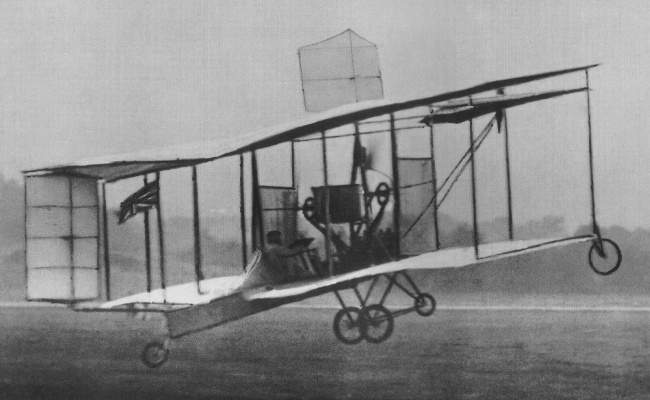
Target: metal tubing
pixel 328 255
pixel 242 213
pixel 161 242
pixel 339 298
pixel 434 181
pixel 390 285
pixel 372 286
pixel 596 231
pixel 107 261
pixel 198 271
pixel 396 194
pixel 474 210
pixel 147 245
pixel 361 300
pixel 399 285
pixel 411 282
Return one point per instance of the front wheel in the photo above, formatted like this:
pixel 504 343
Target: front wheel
pixel 377 323
pixel 425 304
pixel 154 354
pixel 605 257
pixel 347 326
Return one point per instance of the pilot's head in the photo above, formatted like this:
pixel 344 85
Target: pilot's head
pixel 274 237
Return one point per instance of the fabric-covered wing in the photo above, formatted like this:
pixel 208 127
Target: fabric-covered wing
pixel 115 167
pixel 447 258
pixel 457 112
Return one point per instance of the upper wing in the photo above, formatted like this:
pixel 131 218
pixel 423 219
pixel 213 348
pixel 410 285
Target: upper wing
pixel 447 258
pixel 461 111
pixel 112 168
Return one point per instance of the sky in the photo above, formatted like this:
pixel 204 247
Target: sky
pixel 85 78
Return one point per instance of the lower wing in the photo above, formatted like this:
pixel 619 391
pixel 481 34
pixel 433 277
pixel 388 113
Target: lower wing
pixel 447 258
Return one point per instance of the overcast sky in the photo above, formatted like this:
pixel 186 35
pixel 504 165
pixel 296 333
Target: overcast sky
pixel 80 78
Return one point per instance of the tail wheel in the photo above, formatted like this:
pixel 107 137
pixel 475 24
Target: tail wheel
pixel 377 323
pixel 425 304
pixel 347 325
pixel 154 354
pixel 605 257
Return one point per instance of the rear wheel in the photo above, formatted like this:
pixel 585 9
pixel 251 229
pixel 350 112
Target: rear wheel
pixel 347 327
pixel 154 354
pixel 377 323
pixel 425 304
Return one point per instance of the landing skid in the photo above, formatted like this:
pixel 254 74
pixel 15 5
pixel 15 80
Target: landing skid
pixel 374 323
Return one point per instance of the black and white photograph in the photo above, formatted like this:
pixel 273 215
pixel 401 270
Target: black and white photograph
pixel 324 199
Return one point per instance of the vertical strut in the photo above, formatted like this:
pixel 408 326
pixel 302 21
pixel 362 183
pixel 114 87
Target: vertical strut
pixel 396 194
pixel 242 213
pixel 434 181
pixel 474 211
pixel 107 260
pixel 293 165
pixel 596 231
pixel 198 270
pixel 147 244
pixel 161 241
pixel 328 255
pixel 506 140
pixel 257 220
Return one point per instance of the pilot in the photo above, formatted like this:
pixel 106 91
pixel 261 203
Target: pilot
pixel 279 259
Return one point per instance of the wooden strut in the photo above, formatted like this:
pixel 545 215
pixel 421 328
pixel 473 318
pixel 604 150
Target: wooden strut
pixel 506 140
pixel 242 213
pixel 328 251
pixel 72 291
pixel 107 261
pixel 595 228
pixel 473 170
pixel 198 267
pixel 256 220
pixel 161 241
pixel 396 188
pixel 147 244
pixel 434 181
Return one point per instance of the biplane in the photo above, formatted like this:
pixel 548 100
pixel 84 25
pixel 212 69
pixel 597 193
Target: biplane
pixel 360 223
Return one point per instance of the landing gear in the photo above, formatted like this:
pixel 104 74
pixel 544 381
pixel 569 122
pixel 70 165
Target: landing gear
pixel 378 323
pixel 375 323
pixel 348 325
pixel 425 304
pixel 155 354
pixel 605 257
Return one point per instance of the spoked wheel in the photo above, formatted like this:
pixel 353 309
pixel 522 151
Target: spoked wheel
pixel 347 326
pixel 377 323
pixel 154 354
pixel 425 304
pixel 605 257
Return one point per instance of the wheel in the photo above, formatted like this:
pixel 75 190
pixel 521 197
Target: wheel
pixel 383 193
pixel 425 304
pixel 347 325
pixel 154 354
pixel 377 323
pixel 599 258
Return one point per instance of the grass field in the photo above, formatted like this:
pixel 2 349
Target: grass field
pixel 52 353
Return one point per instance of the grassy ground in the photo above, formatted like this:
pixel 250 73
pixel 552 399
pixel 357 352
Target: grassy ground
pixel 292 353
